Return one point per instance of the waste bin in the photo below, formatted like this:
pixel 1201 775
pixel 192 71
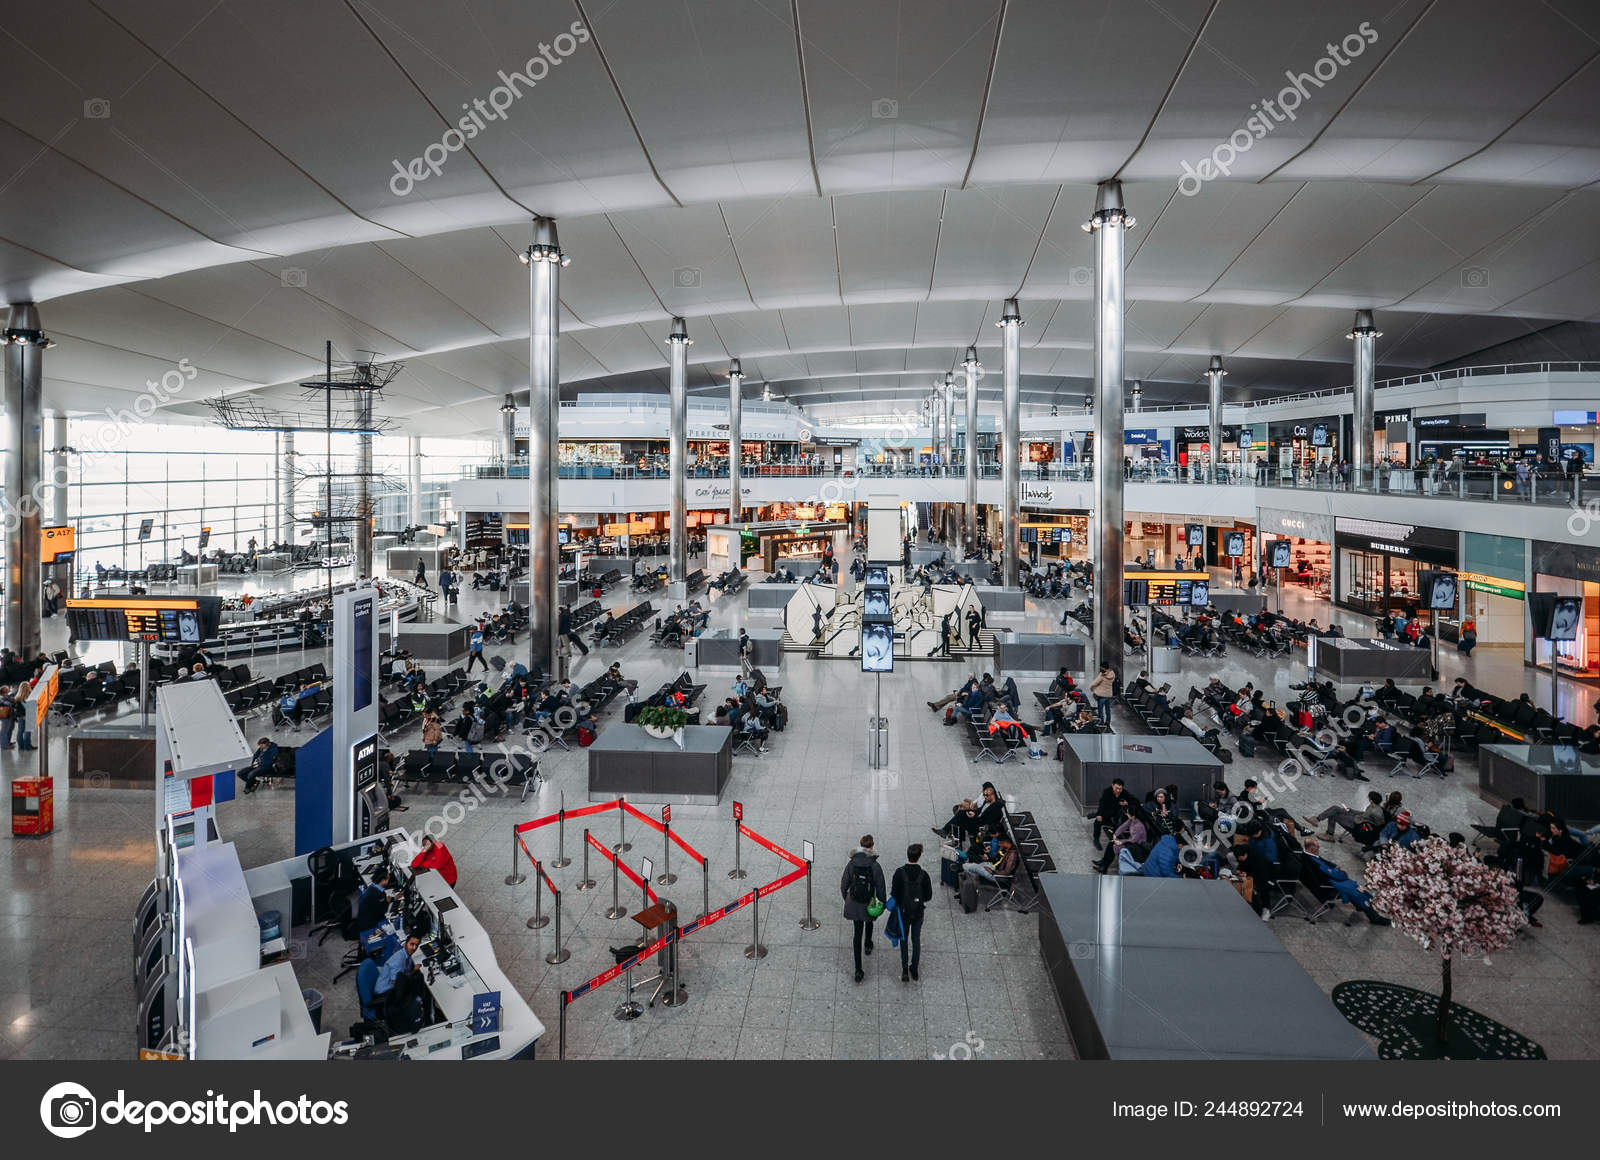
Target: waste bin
pixel 1165 659
pixel 877 742
pixel 314 1006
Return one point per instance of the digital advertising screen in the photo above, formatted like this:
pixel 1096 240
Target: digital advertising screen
pixel 1235 544
pixel 1282 550
pixel 877 648
pixel 1566 613
pixel 1196 535
pixel 875 604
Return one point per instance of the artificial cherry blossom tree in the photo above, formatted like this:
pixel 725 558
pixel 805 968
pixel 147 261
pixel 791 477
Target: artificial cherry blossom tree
pixel 1448 901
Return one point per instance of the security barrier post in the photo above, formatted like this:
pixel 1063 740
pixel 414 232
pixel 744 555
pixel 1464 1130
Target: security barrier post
pixel 560 954
pixel 737 871
pixel 666 877
pixel 809 922
pixel 561 859
pixel 617 909
pixel 705 885
pixel 561 1039
pixel 516 877
pixel 755 950
pixel 539 919
pixel 623 845
pixel 586 883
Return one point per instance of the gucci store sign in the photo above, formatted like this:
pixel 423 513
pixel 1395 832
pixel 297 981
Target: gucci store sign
pixel 1300 525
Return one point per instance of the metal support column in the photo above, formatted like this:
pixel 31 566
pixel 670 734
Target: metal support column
pixel 364 509
pixel 969 454
pixel 544 259
pixel 1214 374
pixel 678 467
pixel 735 442
pixel 1365 335
pixel 414 480
pixel 286 482
pixel 24 374
pixel 1108 225
pixel 1010 440
pixel 60 475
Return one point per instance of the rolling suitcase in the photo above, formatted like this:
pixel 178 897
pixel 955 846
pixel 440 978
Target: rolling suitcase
pixel 950 872
pixel 969 894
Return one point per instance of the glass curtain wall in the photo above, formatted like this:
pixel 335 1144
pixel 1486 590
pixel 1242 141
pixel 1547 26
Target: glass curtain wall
pixel 185 478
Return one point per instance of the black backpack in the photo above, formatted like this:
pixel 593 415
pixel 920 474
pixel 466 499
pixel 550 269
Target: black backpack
pixel 861 883
pixel 913 876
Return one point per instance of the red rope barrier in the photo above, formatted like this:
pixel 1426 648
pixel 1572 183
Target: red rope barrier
pixel 787 880
pixel 580 812
pixel 686 848
pixel 627 871
pixel 630 808
pixel 770 847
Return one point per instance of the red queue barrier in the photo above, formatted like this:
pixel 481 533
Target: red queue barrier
pixel 771 847
pixel 661 828
pixel 580 812
pixel 626 870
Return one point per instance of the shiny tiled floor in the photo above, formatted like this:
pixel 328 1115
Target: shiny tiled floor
pixel 65 901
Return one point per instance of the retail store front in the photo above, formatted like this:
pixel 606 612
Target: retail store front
pixel 1570 570
pixel 1311 554
pixel 1378 563
pixel 1493 571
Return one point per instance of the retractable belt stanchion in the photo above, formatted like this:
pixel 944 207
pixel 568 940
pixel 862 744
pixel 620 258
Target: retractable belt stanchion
pixel 561 860
pixel 561 1038
pixel 623 845
pixel 560 954
pixel 705 886
pixel 539 919
pixel 738 871
pixel 755 950
pixel 516 877
pixel 617 909
pixel 666 877
pixel 809 922
pixel 586 883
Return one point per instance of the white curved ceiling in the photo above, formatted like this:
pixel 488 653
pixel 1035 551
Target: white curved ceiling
pixel 839 192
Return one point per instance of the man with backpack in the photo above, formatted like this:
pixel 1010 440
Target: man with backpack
pixel 475 648
pixel 911 890
pixel 861 887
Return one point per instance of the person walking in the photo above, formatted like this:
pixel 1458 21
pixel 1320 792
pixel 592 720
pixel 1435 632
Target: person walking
pixel 422 575
pixel 475 648
pixel 564 628
pixel 859 885
pixel 911 890
pixel 944 634
pixel 1100 690
pixel 974 624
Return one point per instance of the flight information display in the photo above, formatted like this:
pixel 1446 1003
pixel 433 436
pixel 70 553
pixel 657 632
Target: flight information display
pixel 1166 589
pixel 169 620
pixel 1046 533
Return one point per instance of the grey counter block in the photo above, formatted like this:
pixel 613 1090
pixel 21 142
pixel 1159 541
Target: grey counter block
pixel 1091 761
pixel 626 761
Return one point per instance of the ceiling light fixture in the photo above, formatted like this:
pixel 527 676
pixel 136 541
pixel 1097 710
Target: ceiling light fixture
pixel 1108 209
pixel 509 406
pixel 545 247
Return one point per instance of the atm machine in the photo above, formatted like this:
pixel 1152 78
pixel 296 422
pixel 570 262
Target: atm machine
pixel 370 809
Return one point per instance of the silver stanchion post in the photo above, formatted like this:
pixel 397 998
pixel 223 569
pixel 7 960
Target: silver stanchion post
pixel 560 954
pixel 539 919
pixel 561 1038
pixel 809 922
pixel 561 859
pixel 586 883
pixel 705 886
pixel 623 845
pixel 737 871
pixel 617 909
pixel 516 877
pixel 755 950
pixel 666 877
